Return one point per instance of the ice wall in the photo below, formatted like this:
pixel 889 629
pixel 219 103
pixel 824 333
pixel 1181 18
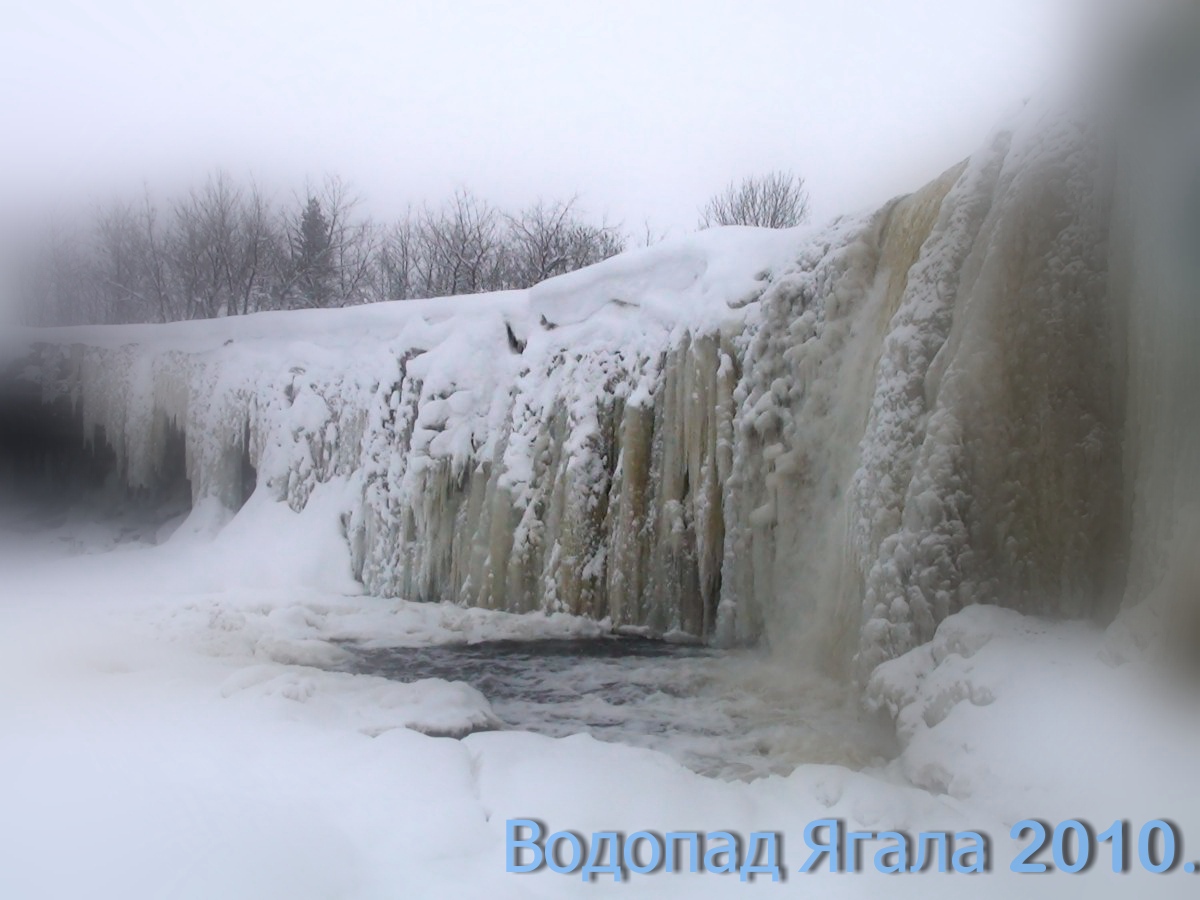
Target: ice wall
pixel 831 439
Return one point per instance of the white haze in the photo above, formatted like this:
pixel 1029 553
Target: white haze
pixel 643 109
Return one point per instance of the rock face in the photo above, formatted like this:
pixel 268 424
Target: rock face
pixel 828 439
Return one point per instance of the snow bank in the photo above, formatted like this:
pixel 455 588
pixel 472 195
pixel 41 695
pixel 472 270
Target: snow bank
pixel 981 706
pixel 683 279
pixel 430 706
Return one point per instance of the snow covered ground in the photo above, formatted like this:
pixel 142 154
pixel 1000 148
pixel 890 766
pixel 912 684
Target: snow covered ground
pixel 171 726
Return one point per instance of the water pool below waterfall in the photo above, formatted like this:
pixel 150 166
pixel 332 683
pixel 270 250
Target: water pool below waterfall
pixel 728 714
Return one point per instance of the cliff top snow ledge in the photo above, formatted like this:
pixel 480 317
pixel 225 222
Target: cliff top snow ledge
pixel 696 280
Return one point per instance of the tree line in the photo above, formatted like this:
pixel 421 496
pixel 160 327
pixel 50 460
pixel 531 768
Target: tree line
pixel 226 248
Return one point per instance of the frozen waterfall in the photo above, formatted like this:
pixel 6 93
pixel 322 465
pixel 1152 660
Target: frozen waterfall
pixel 829 439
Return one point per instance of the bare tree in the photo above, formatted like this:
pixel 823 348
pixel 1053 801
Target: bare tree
pixel 548 239
pixel 776 200
pixel 396 261
pixel 119 266
pixel 353 240
pixel 206 248
pixel 156 261
pixel 651 235
pixel 461 247
pixel 257 242
pixel 226 249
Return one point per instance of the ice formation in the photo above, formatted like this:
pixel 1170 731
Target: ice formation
pixel 832 439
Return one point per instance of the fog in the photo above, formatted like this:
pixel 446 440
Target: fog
pixel 643 110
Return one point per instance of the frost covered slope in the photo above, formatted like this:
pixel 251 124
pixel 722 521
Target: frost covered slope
pixel 832 438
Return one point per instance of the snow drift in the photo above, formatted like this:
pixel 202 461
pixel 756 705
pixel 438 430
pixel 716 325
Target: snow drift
pixel 833 439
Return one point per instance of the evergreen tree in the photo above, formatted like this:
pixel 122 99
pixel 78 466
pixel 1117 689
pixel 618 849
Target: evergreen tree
pixel 313 256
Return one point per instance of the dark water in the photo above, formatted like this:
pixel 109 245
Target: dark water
pixel 736 715
pixel 541 671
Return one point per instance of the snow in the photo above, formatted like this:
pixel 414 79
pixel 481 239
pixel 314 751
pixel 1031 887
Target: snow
pixel 682 278
pixel 977 721
pixel 151 746
pixel 430 706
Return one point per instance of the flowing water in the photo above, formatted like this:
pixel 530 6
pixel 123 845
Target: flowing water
pixel 728 714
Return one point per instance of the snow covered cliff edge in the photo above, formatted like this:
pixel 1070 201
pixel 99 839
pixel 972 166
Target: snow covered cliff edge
pixel 830 439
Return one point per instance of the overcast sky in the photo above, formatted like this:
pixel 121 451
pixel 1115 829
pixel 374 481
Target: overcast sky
pixel 644 108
